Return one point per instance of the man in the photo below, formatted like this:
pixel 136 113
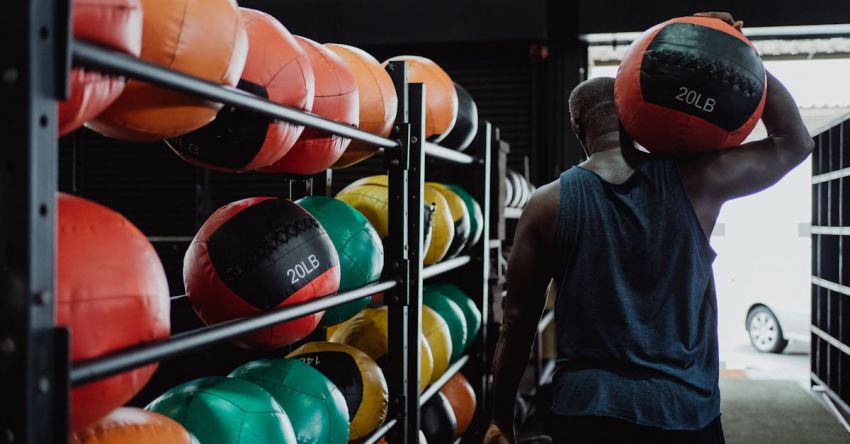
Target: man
pixel 625 237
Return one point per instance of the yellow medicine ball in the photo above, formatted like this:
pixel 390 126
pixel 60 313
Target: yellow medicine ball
pixel 357 377
pixel 439 337
pixel 367 331
pixel 460 218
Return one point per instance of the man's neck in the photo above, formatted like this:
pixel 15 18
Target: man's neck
pixel 610 160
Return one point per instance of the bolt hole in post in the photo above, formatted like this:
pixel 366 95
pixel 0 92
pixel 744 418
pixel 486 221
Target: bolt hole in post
pixel 42 210
pixel 44 32
pixel 43 121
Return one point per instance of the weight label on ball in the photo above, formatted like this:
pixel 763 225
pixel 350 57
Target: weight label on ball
pixel 695 99
pixel 303 268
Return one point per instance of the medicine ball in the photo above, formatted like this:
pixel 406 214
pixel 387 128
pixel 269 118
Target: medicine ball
pixel 111 295
pixel 368 332
pixel 129 425
pixel 257 254
pixel 239 140
pixel 221 410
pixel 357 377
pixel 177 34
pixel 516 187
pixel 466 125
pixel 470 311
pixel 438 421
pixel 358 246
pixel 460 218
pixel 370 196
pixel 476 216
pixel 337 99
pixel 462 398
pixel 509 190
pixel 450 312
pixel 115 24
pixel 314 405
pixel 377 97
pixel 439 337
pixel 441 101
pixel 690 84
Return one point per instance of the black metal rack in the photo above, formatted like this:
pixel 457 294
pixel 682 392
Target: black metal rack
pixel 831 266
pixel 36 374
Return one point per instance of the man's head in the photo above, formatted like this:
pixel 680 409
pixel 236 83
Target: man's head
pixel 592 109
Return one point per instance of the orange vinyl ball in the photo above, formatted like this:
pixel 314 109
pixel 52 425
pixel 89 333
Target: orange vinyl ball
pixel 111 294
pixel 202 38
pixel 115 24
pixel 462 399
pixel 128 425
pixel 337 100
pixel 378 100
pixel 440 94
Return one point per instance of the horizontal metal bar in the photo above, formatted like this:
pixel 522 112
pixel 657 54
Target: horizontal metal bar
pixel 826 389
pixel 495 243
pixel 112 62
pixel 177 298
pixel 832 286
pixel 832 341
pixel 546 375
pixel 434 150
pixel 838 231
pixel 154 239
pixel 380 432
pixel 444 378
pixel 545 321
pixel 443 267
pixel 513 213
pixel 89 370
pixel 832 175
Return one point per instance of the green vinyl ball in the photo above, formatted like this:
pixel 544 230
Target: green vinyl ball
pixel 361 254
pixel 476 216
pixel 449 310
pixel 221 410
pixel 316 408
pixel 467 306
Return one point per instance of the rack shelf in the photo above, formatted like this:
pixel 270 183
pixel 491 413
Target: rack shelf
pixel 513 213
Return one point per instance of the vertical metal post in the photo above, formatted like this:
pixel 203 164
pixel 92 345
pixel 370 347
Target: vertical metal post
pixel 33 354
pixel 479 367
pixel 397 263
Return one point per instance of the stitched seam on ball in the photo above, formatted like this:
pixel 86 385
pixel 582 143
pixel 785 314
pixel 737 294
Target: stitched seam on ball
pixel 271 242
pixel 235 41
pixel 179 36
pixel 719 71
pixel 274 76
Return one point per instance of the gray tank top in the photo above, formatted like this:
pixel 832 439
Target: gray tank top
pixel 636 311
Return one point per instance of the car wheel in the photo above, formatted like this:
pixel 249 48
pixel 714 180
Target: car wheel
pixel 765 331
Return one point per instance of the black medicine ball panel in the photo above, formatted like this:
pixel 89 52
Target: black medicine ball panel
pixel 232 140
pixel 438 419
pixel 466 125
pixel 341 369
pixel 703 72
pixel 270 250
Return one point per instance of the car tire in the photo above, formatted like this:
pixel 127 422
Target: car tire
pixel 764 330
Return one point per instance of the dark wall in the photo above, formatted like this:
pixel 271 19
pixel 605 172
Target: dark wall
pixel 383 22
pixel 629 15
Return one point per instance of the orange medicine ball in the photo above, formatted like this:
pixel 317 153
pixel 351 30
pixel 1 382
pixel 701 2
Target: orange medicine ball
pixel 202 38
pixel 111 294
pixel 440 94
pixel 240 140
pixel 378 100
pixel 337 100
pixel 462 399
pixel 128 425
pixel 116 24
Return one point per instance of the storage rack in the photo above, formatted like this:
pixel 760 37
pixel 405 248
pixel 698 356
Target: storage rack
pixel 36 374
pixel 830 328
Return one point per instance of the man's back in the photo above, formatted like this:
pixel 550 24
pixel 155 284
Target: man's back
pixel 636 311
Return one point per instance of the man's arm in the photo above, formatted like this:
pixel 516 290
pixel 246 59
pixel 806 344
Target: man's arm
pixel 529 271
pixel 717 177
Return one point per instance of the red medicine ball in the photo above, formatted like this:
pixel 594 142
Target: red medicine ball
pixel 111 293
pixel 255 255
pixel 690 84
pixel 336 99
pixel 239 140
pixel 116 24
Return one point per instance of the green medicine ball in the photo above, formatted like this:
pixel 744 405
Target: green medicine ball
pixel 361 254
pixel 452 314
pixel 467 306
pixel 315 406
pixel 476 216
pixel 221 410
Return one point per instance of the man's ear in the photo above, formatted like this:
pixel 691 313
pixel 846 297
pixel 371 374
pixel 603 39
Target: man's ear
pixel 579 132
